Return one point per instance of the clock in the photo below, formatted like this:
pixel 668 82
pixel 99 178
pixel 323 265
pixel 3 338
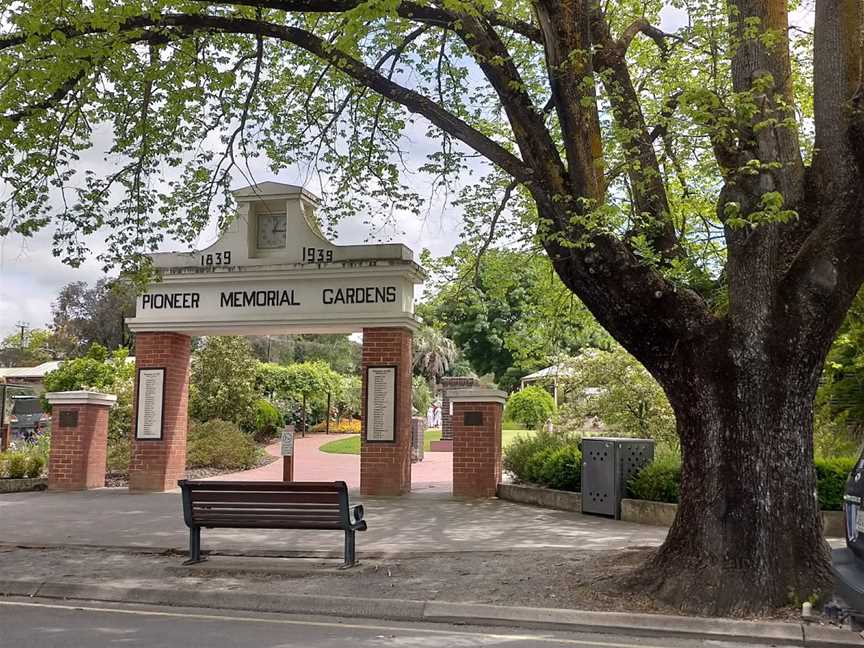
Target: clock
pixel 271 231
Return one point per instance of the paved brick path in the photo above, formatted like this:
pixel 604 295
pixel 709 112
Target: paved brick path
pixel 432 475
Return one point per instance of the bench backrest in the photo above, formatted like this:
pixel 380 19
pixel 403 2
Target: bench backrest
pixel 265 505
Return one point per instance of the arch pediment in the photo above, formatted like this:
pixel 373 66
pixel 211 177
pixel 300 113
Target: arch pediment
pixel 273 271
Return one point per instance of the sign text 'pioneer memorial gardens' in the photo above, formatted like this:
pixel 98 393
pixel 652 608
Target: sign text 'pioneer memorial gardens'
pixel 273 272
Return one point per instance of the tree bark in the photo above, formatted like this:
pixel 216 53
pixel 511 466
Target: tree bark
pixel 748 534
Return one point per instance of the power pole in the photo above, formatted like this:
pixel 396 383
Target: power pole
pixel 23 326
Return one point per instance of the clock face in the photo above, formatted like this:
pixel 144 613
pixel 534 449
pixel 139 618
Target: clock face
pixel 271 231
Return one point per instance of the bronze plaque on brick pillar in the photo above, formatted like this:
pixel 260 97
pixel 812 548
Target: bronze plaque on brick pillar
pixel 68 418
pixel 473 418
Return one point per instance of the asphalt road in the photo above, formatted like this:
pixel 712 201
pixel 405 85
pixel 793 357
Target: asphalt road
pixel 33 623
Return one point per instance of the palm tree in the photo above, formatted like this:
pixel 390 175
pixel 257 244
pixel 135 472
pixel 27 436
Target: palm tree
pixel 433 353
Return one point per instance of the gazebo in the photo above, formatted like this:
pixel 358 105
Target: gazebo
pixel 548 377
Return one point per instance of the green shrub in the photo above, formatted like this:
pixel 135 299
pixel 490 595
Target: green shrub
pixel 421 395
pixel 16 464
pixel 220 444
pixel 562 469
pixel 532 407
pixel 536 463
pixel 831 476
pixel 545 458
pixel 119 455
pixel 658 482
pixel 661 481
pixel 267 419
pixel 35 465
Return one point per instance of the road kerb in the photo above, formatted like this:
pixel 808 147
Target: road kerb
pixel 441 612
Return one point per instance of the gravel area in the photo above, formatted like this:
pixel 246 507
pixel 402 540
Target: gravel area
pixel 121 480
pixel 586 580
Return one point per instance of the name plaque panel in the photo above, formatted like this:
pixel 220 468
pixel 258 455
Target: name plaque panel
pixel 288 441
pixel 149 404
pixel 381 404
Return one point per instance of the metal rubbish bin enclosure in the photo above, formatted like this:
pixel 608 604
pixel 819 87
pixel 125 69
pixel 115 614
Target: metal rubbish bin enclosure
pixel 607 465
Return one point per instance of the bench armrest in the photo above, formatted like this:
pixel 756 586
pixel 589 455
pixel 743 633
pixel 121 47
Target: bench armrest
pixel 358 514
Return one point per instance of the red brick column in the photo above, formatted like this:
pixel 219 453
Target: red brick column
pixel 157 464
pixel 385 468
pixel 79 439
pixel 477 418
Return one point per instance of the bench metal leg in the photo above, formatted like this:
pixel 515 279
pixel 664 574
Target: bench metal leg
pixel 194 546
pixel 350 556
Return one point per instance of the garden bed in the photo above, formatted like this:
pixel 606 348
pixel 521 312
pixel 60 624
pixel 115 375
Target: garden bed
pixel 23 485
pixel 121 480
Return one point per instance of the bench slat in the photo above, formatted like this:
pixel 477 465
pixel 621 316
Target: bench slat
pixel 259 523
pixel 300 506
pixel 288 487
pixel 268 512
pixel 268 497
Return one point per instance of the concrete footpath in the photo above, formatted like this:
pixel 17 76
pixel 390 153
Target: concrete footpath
pixel 413 523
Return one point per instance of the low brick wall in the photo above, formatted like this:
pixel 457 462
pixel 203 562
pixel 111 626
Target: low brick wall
pixel 22 485
pixel 635 511
pixel 563 500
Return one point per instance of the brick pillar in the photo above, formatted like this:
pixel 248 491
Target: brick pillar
pixel 449 384
pixel 79 439
pixel 477 419
pixel 385 467
pixel 157 464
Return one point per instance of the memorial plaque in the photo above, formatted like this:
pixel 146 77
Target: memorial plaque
pixel 473 418
pixel 288 441
pixel 381 404
pixel 68 418
pixel 150 399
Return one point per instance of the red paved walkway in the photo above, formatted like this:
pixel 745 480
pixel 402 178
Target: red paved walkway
pixel 433 474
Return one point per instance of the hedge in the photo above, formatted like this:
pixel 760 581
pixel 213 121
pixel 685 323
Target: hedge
pixel 220 444
pixel 545 458
pixel 831 476
pixel 661 481
pixel 658 482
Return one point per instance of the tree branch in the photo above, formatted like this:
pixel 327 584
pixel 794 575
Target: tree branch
pixel 651 204
pixel 188 24
pixel 566 30
pixel 434 15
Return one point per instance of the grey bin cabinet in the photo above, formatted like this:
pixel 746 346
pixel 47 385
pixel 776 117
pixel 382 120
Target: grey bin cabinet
pixel 607 465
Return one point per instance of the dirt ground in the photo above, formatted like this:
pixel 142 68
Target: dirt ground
pixel 586 580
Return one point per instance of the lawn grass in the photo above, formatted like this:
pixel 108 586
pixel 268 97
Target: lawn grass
pixel 351 445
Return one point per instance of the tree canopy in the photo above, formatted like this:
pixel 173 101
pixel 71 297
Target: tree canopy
pixel 508 311
pixel 83 316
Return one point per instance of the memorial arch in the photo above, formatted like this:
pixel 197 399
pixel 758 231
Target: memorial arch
pixel 273 272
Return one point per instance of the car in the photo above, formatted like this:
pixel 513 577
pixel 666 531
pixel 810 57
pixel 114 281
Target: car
pixel 27 416
pixel 848 561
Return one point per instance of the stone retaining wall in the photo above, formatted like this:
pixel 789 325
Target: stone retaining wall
pixel 564 500
pixel 635 511
pixel 22 485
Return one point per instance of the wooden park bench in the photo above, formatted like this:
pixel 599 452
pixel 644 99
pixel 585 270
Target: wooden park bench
pixel 268 505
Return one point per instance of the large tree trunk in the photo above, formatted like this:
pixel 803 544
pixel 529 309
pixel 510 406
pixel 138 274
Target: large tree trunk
pixel 748 535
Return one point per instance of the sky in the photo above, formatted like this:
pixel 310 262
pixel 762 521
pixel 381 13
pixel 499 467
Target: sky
pixel 31 277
